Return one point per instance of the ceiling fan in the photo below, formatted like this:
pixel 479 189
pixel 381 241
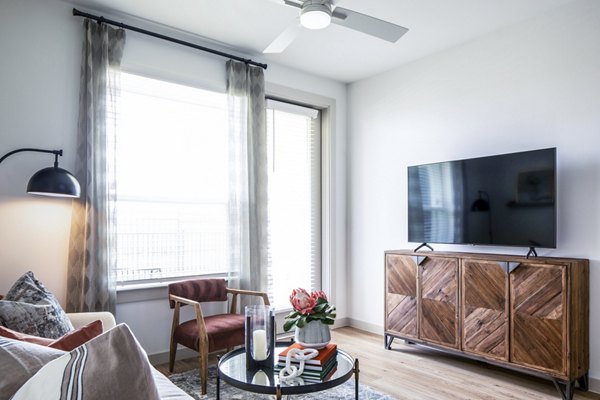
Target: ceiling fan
pixel 318 14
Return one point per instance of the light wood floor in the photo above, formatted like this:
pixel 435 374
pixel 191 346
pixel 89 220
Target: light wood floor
pixel 410 372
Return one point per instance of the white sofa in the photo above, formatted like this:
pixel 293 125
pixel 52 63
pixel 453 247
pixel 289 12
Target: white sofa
pixel 27 370
pixel 81 319
pixel 166 389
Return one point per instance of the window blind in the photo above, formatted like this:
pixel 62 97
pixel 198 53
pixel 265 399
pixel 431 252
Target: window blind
pixel 294 140
pixel 171 168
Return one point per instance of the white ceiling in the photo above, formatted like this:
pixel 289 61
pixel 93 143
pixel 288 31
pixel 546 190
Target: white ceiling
pixel 248 26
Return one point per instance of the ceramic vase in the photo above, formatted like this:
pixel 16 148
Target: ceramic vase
pixel 314 335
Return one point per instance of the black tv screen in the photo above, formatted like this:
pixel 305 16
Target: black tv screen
pixel 502 200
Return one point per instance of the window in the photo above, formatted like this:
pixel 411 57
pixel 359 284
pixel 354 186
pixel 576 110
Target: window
pixel 294 140
pixel 171 187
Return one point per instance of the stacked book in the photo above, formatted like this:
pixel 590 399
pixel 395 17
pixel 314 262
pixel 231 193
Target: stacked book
pixel 318 369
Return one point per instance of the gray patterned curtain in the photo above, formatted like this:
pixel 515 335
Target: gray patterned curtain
pixel 91 273
pixel 248 176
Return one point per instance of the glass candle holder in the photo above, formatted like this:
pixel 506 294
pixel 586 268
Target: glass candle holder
pixel 260 336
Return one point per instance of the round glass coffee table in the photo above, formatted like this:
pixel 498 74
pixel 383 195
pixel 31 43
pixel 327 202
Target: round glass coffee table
pixel 232 369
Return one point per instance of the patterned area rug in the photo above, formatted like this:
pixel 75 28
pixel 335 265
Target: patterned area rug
pixel 189 382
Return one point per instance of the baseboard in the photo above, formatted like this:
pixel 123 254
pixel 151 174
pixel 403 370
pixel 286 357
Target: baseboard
pixel 365 326
pixel 594 385
pixel 162 358
pixel 341 322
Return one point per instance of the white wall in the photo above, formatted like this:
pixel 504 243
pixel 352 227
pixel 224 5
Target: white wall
pixel 40 46
pixel 533 85
pixel 39 84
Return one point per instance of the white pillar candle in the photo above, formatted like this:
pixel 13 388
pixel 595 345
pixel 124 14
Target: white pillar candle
pixel 259 342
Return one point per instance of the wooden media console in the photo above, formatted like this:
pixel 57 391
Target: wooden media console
pixel 527 314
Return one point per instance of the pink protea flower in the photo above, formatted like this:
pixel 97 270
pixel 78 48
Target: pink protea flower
pixel 318 294
pixel 302 302
pixel 308 308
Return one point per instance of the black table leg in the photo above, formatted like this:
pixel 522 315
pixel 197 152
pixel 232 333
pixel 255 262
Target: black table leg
pixel 218 380
pixel 356 373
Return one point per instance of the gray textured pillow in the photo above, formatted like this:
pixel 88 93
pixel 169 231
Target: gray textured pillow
pixel 19 361
pixel 30 308
pixel 112 366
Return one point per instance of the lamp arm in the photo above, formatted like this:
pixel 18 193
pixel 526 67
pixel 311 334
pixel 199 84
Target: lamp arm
pixel 55 152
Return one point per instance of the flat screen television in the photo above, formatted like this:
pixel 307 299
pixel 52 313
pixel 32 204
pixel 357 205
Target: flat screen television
pixel 500 200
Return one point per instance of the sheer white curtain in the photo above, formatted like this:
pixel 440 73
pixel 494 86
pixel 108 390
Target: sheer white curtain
pixel 91 283
pixel 247 176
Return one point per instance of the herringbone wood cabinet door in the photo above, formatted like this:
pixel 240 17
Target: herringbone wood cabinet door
pixel 485 308
pixel 538 302
pixel 439 301
pixel 401 295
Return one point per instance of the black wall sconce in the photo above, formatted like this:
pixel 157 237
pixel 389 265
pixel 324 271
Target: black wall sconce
pixel 50 181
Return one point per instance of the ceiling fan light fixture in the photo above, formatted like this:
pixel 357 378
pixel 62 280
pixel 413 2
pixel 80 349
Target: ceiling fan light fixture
pixel 315 16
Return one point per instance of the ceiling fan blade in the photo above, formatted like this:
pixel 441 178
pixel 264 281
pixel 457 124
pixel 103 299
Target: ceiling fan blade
pixel 366 24
pixel 284 39
pixel 297 3
pixel 293 3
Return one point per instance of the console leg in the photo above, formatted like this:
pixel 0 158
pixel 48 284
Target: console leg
pixel 584 383
pixel 565 388
pixel 387 341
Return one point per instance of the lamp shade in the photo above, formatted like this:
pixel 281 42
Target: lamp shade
pixel 54 181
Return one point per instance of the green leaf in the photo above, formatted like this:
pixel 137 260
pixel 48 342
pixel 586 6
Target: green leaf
pixel 328 321
pixel 320 308
pixel 301 322
pixel 289 324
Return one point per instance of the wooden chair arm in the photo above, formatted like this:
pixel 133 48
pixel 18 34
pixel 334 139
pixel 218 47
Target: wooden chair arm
pixel 250 293
pixel 183 300
pixel 202 334
pixel 236 292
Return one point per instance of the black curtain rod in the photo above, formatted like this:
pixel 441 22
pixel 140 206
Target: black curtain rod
pixel 101 20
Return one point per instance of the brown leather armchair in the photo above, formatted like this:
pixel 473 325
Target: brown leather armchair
pixel 211 333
